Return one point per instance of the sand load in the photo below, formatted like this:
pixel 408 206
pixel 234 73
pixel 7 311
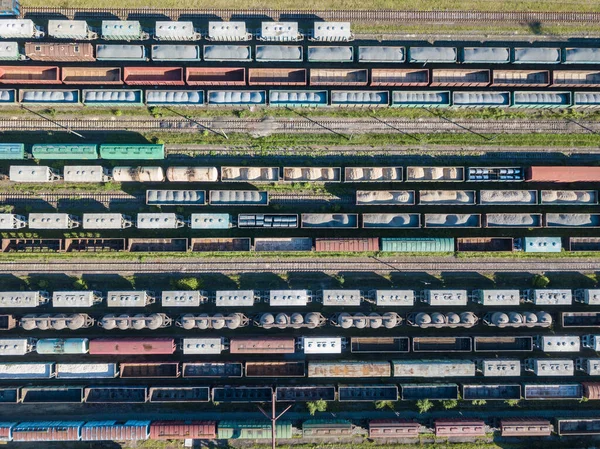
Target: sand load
pixel 508 197
pixel 435 174
pixel 572 220
pixel 373 174
pixel 447 197
pixel 569 197
pixel 315 174
pixel 381 197
pixel 514 220
pixel 452 220
pixel 391 221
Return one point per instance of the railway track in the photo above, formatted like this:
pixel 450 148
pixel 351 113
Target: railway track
pixel 316 125
pixel 252 265
pixel 380 16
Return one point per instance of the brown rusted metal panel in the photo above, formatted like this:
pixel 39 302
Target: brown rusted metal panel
pixel 29 75
pixel 7 322
pixel 277 77
pixel 576 78
pixel 393 428
pixel 132 346
pixel 521 78
pixel 400 77
pixel 149 370
pixel 525 427
pixel 219 76
pixel 275 369
pixel 44 433
pixel 91 75
pixel 153 76
pixel 94 245
pixel 217 245
pixel 485 244
pixel 563 174
pixel 339 77
pixel 349 369
pixel 347 244
pixel 459 428
pixel 460 78
pixel 179 430
pixel 591 390
pixel 269 345
pixel 41 51
pixel 157 245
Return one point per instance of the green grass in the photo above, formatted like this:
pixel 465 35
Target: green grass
pixel 410 113
pixel 276 141
pixel 467 5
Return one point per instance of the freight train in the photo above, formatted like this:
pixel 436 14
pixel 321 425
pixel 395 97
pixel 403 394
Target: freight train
pixel 138 430
pixel 165 220
pixel 299 297
pixel 118 97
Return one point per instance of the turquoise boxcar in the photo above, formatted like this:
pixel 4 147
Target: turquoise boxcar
pixel 133 152
pixel 12 151
pixel 258 429
pixel 64 151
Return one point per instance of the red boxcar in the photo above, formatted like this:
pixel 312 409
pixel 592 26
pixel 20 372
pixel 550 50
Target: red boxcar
pixel 563 174
pixel 29 75
pixel 153 76
pixel 393 428
pixel 179 430
pixel 131 346
pixel 222 76
pixel 525 427
pixel 459 428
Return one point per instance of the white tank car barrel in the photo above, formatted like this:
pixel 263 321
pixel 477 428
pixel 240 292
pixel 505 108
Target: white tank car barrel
pixel 32 173
pixel 138 321
pixel 441 320
pixel 388 320
pixel 138 174
pixel 518 319
pixel 86 173
pixel 62 346
pixel 217 321
pixel 56 322
pixel 309 320
pixel 106 221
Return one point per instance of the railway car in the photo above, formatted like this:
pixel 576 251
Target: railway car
pixel 162 52
pixel 175 31
pixel 175 98
pixel 123 30
pixel 20 29
pixel 63 52
pixel 63 97
pixel 133 152
pixel 279 53
pixel 70 29
pixel 111 98
pixel 10 51
pixel 315 428
pixel 64 151
pixel 12 221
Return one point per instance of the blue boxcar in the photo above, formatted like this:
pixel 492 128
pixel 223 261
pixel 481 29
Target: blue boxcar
pixel 9 8
pixel 12 151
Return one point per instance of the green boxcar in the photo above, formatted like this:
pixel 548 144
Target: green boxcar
pixel 132 152
pixel 12 151
pixel 64 151
pixel 417 245
pixel 250 430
